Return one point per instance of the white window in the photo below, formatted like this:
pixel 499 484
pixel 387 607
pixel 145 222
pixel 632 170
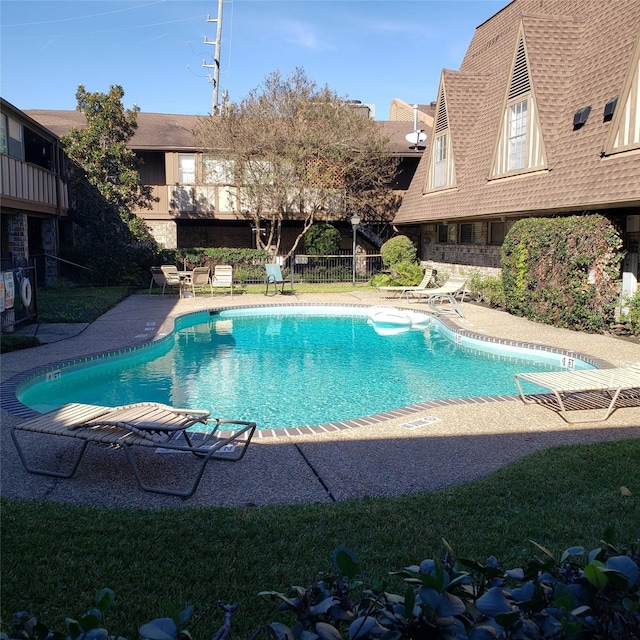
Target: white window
pixel 440 161
pixel 517 135
pixel 187 169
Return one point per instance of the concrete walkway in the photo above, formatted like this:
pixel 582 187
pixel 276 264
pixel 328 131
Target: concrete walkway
pixel 456 443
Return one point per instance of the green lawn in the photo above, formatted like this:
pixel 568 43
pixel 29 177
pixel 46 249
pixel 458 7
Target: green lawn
pixel 56 557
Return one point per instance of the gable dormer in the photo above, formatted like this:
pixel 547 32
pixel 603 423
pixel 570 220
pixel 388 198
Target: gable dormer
pixel 520 147
pixel 625 123
pixel 441 174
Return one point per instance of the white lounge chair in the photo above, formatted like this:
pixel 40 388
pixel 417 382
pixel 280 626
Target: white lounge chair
pixel 223 277
pixel 562 384
pixel 145 424
pixel 453 288
pixel 428 280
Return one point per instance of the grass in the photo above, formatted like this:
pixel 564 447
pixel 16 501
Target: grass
pixel 56 557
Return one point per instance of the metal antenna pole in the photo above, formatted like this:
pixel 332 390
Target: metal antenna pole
pixel 216 58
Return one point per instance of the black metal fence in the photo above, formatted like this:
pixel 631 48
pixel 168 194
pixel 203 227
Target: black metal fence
pixel 335 268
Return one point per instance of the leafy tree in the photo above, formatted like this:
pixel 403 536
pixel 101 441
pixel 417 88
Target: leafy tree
pixel 301 153
pixel 322 238
pixel 105 187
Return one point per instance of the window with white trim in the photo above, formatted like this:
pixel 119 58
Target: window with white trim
pixel 186 168
pixel 517 135
pixel 440 161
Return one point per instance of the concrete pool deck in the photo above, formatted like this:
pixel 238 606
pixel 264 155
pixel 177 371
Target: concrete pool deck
pixel 441 446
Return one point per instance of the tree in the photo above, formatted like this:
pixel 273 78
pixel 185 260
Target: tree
pixel 105 186
pixel 301 153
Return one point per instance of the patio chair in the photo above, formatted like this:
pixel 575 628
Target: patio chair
pixel 453 288
pixel 223 277
pixel 144 424
pixel 575 385
pixel 274 277
pixel 171 277
pixel 427 281
pixel 199 277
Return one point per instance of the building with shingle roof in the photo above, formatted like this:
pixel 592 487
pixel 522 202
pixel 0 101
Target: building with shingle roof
pixel 188 214
pixel 541 119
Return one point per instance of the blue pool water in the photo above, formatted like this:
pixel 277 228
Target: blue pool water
pixel 292 366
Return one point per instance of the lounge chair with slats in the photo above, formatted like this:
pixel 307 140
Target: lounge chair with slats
pixel 223 277
pixel 396 291
pixel 572 384
pixel 146 424
pixel 199 277
pixel 453 289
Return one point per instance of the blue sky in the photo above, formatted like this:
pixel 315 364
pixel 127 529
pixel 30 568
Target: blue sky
pixel 367 50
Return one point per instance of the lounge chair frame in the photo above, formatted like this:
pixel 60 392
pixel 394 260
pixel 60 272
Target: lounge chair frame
pixel 428 280
pixel 149 425
pixel 563 384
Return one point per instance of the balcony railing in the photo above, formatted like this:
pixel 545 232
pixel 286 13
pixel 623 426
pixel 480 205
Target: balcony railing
pixel 31 184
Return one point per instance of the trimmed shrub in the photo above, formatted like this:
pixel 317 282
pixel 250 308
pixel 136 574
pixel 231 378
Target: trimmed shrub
pixel 396 250
pixel 322 239
pixel 630 317
pixel 563 271
pixel 486 289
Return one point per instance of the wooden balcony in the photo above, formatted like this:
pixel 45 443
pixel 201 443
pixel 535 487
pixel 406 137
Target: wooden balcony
pixel 31 188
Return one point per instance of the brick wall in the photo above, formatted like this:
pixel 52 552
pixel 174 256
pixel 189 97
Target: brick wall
pixel 18 240
pixel 164 233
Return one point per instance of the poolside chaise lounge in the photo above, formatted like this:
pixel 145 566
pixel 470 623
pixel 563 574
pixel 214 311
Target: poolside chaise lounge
pixel 453 288
pixel 427 281
pixel 563 384
pixel 144 424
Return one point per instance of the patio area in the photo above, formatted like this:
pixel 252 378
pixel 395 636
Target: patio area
pixel 444 445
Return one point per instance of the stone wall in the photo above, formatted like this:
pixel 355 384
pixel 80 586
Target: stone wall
pixel 165 233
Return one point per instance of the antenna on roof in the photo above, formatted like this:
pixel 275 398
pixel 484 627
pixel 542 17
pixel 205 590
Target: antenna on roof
pixel 417 137
pixel 215 80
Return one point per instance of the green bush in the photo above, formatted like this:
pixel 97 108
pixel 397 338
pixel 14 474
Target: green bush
pixel 487 289
pixel 630 317
pixel 580 595
pixel 397 250
pixel 563 271
pixel 322 239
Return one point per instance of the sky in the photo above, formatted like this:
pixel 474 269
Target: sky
pixel 367 50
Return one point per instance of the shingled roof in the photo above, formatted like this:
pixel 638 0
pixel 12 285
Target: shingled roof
pixel 580 53
pixel 174 132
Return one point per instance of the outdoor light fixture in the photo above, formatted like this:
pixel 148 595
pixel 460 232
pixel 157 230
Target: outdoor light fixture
pixel 355 221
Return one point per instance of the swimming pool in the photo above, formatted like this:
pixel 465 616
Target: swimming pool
pixel 287 366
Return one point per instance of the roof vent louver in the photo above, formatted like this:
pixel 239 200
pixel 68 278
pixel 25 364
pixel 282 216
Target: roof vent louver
pixel 520 77
pixel 609 109
pixel 580 117
pixel 442 121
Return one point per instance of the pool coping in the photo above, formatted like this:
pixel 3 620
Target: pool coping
pixel 10 403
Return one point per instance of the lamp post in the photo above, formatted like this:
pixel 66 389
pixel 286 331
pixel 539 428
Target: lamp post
pixel 355 221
